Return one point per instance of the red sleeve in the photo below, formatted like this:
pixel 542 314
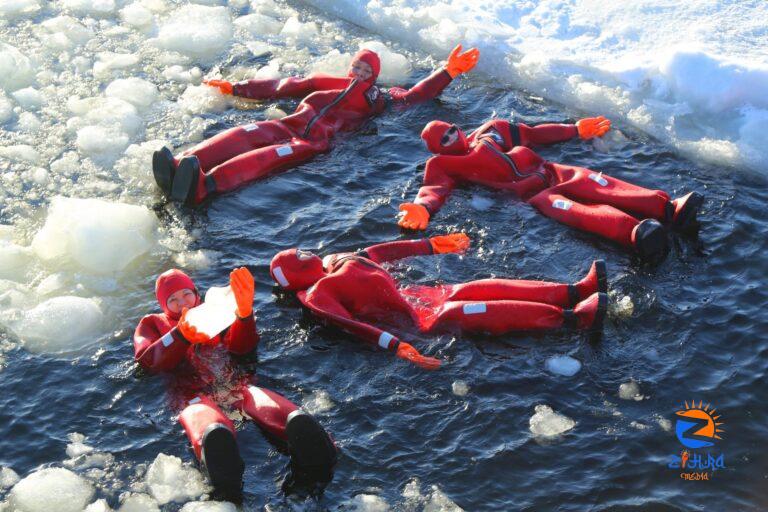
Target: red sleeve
pixel 441 176
pixel 427 89
pixel 155 351
pixel 524 135
pixel 293 87
pixel 242 336
pixel 391 251
pixel 323 303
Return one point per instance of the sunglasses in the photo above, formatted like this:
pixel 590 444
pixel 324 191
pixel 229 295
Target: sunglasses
pixel 448 134
pixel 303 255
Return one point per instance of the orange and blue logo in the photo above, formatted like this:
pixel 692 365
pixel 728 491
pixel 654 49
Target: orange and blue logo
pixel 697 427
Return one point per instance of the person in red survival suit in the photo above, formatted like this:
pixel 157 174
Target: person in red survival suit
pixel 165 342
pixel 352 291
pixel 497 155
pixel 330 105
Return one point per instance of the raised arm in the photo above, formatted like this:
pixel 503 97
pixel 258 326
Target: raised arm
pixel 322 302
pixel 269 89
pixel 433 85
pixel 242 336
pixel 155 351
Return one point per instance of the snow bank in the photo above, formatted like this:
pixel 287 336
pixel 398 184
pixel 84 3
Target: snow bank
pixel 673 70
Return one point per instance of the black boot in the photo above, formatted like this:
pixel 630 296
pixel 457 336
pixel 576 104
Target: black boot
pixel 683 210
pixel 163 169
pixel 184 187
pixel 313 454
pixel 651 241
pixel 221 460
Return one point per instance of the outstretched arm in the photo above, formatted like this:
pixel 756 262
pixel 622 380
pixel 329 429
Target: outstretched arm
pixel 292 87
pixel 441 175
pixel 322 303
pixel 551 133
pixel 391 251
pixel 242 336
pixel 157 352
pixel 433 85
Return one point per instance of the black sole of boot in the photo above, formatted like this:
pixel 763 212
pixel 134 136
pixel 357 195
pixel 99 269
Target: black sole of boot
pixel 686 219
pixel 162 169
pixel 310 447
pixel 221 460
pixel 185 181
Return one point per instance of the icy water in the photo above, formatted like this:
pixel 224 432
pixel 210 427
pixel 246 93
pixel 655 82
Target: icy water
pixel 697 332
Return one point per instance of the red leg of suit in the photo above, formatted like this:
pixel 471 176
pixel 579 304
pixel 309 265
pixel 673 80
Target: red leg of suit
pixel 235 141
pixel 590 187
pixel 600 219
pixel 267 409
pixel 257 164
pixel 200 413
pixel 499 316
pixel 509 289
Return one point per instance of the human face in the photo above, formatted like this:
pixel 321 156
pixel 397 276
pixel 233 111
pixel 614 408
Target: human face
pixel 360 70
pixel 450 136
pixel 184 298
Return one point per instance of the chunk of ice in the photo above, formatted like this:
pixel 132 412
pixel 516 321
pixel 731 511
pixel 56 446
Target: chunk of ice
pixel 630 391
pixel 196 31
pixel 366 503
pixel 95 8
pixel 60 324
pixel 139 502
pixel 51 489
pixel 98 235
pixel 169 480
pixel 547 423
pixel 139 93
pixel 16 70
pixel 318 402
pixel 8 478
pixel 208 506
pixel 460 388
pixel 28 98
pixel 563 365
pixel 14 9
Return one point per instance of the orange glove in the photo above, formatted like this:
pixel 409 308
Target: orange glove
pixel 189 332
pixel 241 282
pixel 593 127
pixel 223 86
pixel 414 216
pixel 455 242
pixel 459 63
pixel 407 352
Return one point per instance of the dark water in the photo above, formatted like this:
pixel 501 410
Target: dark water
pixel 698 333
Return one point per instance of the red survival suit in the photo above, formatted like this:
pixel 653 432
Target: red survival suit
pixel 352 291
pixel 159 346
pixel 330 105
pixel 497 155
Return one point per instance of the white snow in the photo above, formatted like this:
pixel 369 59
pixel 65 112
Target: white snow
pixel 97 235
pixel 693 73
pixel 51 489
pixel 168 480
pixel 13 9
pixel 94 8
pixel 547 423
pixel 563 365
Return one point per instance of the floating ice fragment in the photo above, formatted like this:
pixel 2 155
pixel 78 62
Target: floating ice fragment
pixel 139 93
pixel 366 503
pixel 196 31
pixel 13 9
pixel 168 480
pixel 318 402
pixel 8 478
pixel 563 365
pixel 94 8
pixel 139 502
pixel 547 423
pixel 60 324
pixel 259 25
pixel 20 153
pixel 630 391
pixel 28 98
pixel 16 70
pixel 51 489
pixel 98 235
pixel 208 506
pixel 460 388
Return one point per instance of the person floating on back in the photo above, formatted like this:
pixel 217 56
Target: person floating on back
pixel 354 292
pixel 497 155
pixel 201 366
pixel 330 105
